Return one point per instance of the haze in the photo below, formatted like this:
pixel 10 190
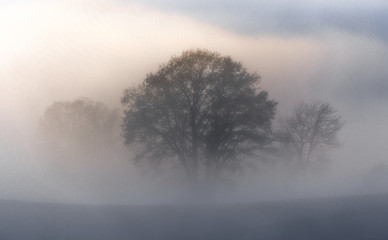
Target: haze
pixel 51 51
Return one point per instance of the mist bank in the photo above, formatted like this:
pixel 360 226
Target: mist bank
pixel 61 51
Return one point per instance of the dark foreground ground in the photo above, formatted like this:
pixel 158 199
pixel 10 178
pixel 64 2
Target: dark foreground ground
pixel 363 217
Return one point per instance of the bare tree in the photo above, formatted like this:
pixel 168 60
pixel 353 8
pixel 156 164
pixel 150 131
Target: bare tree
pixel 200 109
pixel 309 128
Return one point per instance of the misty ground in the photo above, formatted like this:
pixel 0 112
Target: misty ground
pixel 356 217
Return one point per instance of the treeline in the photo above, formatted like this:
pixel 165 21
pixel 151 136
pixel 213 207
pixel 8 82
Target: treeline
pixel 201 113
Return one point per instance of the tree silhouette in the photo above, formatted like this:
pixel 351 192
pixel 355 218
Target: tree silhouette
pixel 81 120
pixel 309 128
pixel 200 109
pixel 81 129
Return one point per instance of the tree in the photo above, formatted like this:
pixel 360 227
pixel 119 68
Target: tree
pixel 201 110
pixel 82 119
pixel 82 128
pixel 310 127
pixel 81 145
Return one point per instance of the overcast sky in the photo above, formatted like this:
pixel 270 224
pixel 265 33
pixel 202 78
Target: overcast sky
pixel 336 51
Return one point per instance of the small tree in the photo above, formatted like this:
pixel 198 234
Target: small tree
pixel 202 110
pixel 310 128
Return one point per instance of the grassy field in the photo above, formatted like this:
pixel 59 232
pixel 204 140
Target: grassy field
pixel 358 217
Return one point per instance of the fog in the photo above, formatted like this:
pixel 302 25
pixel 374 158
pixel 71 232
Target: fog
pixel 65 50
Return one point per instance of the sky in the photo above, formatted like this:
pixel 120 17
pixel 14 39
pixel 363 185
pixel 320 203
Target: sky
pixel 335 51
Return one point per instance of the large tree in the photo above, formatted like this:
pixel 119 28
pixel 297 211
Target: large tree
pixel 200 109
pixel 310 128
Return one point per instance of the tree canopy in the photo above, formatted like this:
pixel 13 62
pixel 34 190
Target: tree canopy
pixel 82 125
pixel 201 110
